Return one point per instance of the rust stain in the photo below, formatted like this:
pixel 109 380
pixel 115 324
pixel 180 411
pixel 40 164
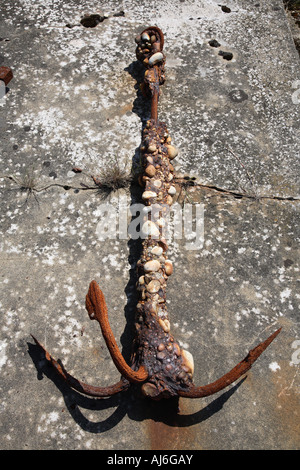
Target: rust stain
pixel 96 352
pixel 164 437
pixel 172 436
pixel 287 389
pixel 126 108
pixel 117 111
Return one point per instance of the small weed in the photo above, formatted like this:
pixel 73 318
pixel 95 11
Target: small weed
pixel 27 183
pixel 112 177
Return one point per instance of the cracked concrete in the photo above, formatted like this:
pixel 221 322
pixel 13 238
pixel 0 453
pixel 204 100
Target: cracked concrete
pixel 74 102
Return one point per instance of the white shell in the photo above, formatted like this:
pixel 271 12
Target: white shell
pixel 157 250
pixel 172 190
pixel 148 194
pixel 157 57
pixel 150 170
pixel 188 360
pixel 149 228
pixel 153 286
pixel 165 324
pixel 151 266
pixel 172 151
pixel 168 267
pixel 151 148
pixel 145 37
pixel 157 183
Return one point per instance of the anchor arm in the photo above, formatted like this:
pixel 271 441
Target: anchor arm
pixel 80 386
pixel 234 374
pixel 97 310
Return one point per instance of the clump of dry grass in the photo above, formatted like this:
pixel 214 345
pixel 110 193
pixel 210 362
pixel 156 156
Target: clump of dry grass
pixel 27 182
pixel 113 177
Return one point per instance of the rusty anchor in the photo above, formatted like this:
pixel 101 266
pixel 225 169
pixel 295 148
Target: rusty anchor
pixel 158 363
pixel 6 75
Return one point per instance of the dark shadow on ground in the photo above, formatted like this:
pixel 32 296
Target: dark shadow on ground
pixel 131 403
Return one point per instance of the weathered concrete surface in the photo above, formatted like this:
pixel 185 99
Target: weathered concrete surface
pixel 74 102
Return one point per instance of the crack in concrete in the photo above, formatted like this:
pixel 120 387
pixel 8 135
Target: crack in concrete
pixel 185 182
pixel 239 195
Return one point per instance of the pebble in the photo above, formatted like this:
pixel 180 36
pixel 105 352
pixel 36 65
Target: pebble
pixel 188 360
pixel 152 266
pixel 157 250
pixel 169 200
pixel 168 267
pixel 150 170
pixel 155 58
pixel 145 37
pixel 177 349
pixel 153 286
pixel 172 190
pixel 157 183
pixel 161 355
pixel 149 228
pixel 165 324
pixel 153 307
pixel 172 151
pixel 151 148
pixel 149 390
pixel 148 194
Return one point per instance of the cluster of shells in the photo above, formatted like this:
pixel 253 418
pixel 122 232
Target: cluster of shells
pixel 149 53
pixel 154 266
pixel 149 48
pixel 168 365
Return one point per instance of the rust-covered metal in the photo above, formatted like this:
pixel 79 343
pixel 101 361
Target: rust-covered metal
pixel 6 75
pixel 158 363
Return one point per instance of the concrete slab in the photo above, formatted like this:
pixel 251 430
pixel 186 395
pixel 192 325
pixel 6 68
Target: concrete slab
pixel 74 101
